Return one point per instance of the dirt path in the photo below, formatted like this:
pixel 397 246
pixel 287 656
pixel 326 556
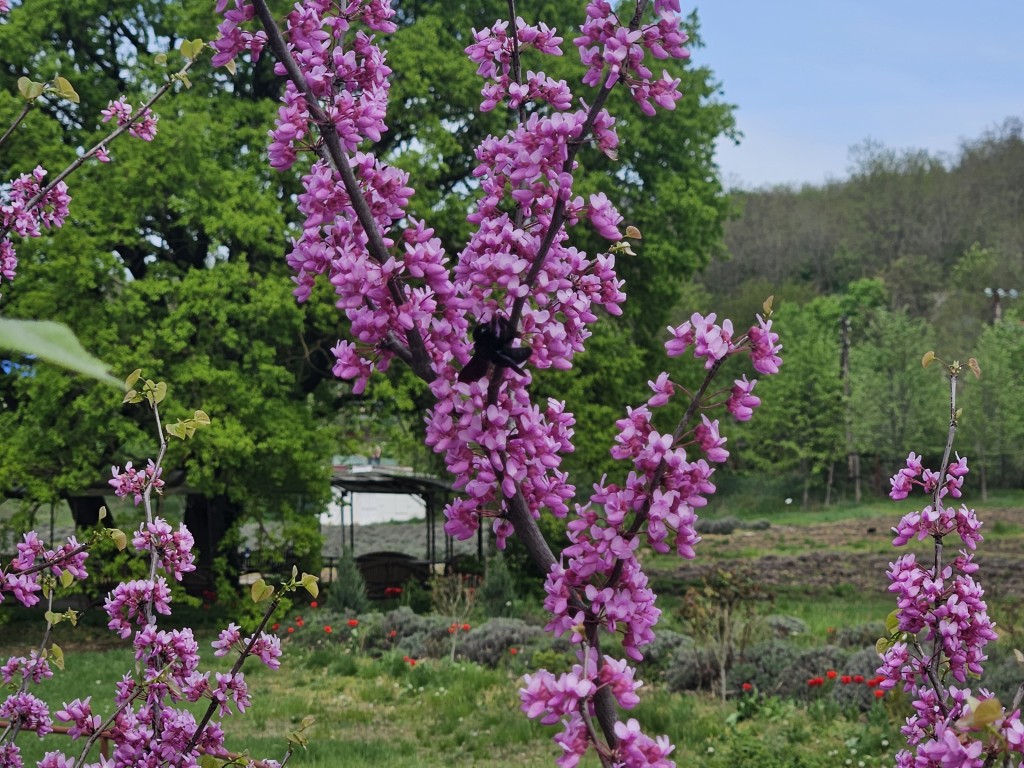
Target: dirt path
pixel 855 552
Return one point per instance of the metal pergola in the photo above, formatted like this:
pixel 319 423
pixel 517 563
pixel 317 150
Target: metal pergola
pixel 377 479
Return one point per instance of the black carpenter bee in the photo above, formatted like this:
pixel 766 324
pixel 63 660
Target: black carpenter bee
pixel 492 345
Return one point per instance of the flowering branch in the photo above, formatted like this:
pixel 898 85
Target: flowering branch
pixel 943 604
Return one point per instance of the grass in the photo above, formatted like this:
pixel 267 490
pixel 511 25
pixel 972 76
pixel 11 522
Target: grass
pixel 382 712
pixel 373 712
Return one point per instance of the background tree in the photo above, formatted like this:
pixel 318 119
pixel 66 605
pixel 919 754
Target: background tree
pixel 175 268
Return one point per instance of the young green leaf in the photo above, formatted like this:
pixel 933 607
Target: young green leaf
pixel 57 656
pixel 119 539
pixel 65 89
pixel 261 591
pixel 133 377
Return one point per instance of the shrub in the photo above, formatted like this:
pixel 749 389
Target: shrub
pixel 490 642
pixel 861 636
pixel 785 626
pixel 692 669
pixel 498 593
pixel 721 525
pixel 348 593
pixel 659 655
pixel 761 665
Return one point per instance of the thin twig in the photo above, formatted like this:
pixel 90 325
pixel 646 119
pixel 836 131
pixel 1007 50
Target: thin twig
pixel 17 121
pixel 80 161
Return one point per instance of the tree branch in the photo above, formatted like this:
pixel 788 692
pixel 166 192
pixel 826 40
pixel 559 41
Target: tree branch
pixel 336 156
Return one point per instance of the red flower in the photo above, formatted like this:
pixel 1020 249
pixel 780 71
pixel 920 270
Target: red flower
pixel 858 678
pixel 290 630
pixel 409 660
pixel 327 629
pixel 814 682
pixel 747 687
pixel 353 622
pixel 313 604
pixel 299 622
pixel 393 634
pixel 879 693
pixel 274 628
pixel 465 627
pixel 845 679
pixel 831 674
pixel 513 651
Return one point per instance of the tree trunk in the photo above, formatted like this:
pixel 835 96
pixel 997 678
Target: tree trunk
pixel 86 511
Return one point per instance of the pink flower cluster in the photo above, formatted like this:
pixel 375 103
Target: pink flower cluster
pixel 267 647
pixel 613 50
pixel 120 111
pixel 233 40
pixel 713 342
pixel 132 482
pixel 24 220
pixel 945 610
pixel 130 600
pixel 564 697
pixel 173 549
pixel 34 669
pixel 493 51
pixel 914 473
pixel 32 554
pixel 498 450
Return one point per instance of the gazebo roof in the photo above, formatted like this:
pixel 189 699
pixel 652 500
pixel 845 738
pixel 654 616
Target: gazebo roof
pixel 378 479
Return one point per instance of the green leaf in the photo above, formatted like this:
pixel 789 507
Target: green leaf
pixel 102 513
pixel 927 359
pixel 30 90
pixel 201 419
pixel 987 712
pixel 118 537
pixel 1018 656
pixel 309 582
pixel 160 59
pixel 57 656
pixel 185 49
pixel 133 377
pixel 160 391
pixel 53 618
pixel 882 645
pixel 209 761
pixel 892 623
pixel 66 579
pixel 230 67
pixel 261 591
pixel 55 343
pixel 65 89
pixel 177 430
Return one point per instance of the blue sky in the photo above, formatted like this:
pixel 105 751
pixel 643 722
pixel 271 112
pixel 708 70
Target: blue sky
pixel 811 78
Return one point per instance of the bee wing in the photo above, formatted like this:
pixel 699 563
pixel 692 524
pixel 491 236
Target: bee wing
pixel 475 369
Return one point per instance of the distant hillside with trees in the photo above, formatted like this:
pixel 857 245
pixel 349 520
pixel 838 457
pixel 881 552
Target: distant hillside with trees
pixel 912 252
